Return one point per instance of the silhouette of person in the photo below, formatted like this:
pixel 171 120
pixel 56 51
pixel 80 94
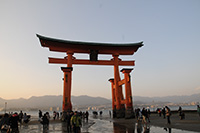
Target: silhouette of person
pixel 20 117
pixel 14 123
pixel 45 122
pixel 4 124
pixel 168 114
pixel 86 115
pixel 164 113
pixel 198 110
pixel 67 119
pixel 40 115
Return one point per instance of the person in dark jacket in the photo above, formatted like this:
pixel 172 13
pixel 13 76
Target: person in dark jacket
pixel 87 115
pixel 4 124
pixel 164 113
pixel 14 119
pixel 68 120
pixel 21 117
pixel 168 114
pixel 40 115
pixel 45 122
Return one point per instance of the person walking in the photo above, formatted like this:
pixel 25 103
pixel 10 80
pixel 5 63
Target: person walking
pixel 45 122
pixel 163 112
pixel 198 110
pixel 40 115
pixel 168 114
pixel 68 119
pixel 20 117
pixel 76 123
pixel 54 115
pixel 144 115
pixel 180 111
pixel 87 115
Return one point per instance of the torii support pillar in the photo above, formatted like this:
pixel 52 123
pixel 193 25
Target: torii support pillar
pixel 113 97
pixel 67 106
pixel 120 109
pixel 128 100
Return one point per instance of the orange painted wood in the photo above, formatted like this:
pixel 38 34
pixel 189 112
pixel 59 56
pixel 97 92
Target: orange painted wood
pixel 123 101
pixel 67 106
pixel 116 79
pixel 128 93
pixel 113 94
pixel 88 62
pixel 121 82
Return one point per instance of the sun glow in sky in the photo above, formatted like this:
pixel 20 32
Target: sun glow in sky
pixel 167 64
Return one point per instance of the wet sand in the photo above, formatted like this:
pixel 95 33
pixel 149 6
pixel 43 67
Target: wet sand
pixel 104 124
pixel 190 123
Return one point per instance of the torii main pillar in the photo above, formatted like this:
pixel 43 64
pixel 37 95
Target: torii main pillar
pixel 67 105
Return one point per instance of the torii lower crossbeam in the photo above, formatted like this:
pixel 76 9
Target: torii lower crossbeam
pixel 88 62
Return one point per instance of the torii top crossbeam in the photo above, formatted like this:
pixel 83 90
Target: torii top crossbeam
pixel 58 45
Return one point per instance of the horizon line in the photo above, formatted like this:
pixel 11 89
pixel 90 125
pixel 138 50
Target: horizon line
pixel 96 96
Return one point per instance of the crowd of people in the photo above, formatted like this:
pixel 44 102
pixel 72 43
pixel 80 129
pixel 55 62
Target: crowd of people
pixel 144 114
pixel 9 122
pixel 73 119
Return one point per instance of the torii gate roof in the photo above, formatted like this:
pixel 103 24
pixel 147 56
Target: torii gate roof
pixel 59 45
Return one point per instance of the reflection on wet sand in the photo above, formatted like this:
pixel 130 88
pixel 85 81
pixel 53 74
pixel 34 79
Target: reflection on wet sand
pixel 99 125
pixel 142 128
pixel 138 127
pixel 123 129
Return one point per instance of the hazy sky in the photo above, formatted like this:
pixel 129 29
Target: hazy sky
pixel 167 64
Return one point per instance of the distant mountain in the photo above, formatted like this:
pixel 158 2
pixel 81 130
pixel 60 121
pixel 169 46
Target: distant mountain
pixel 33 102
pixel 52 101
pixel 87 100
pixel 56 101
pixel 170 99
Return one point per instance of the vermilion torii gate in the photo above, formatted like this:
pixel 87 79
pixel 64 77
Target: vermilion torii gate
pixel 122 107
